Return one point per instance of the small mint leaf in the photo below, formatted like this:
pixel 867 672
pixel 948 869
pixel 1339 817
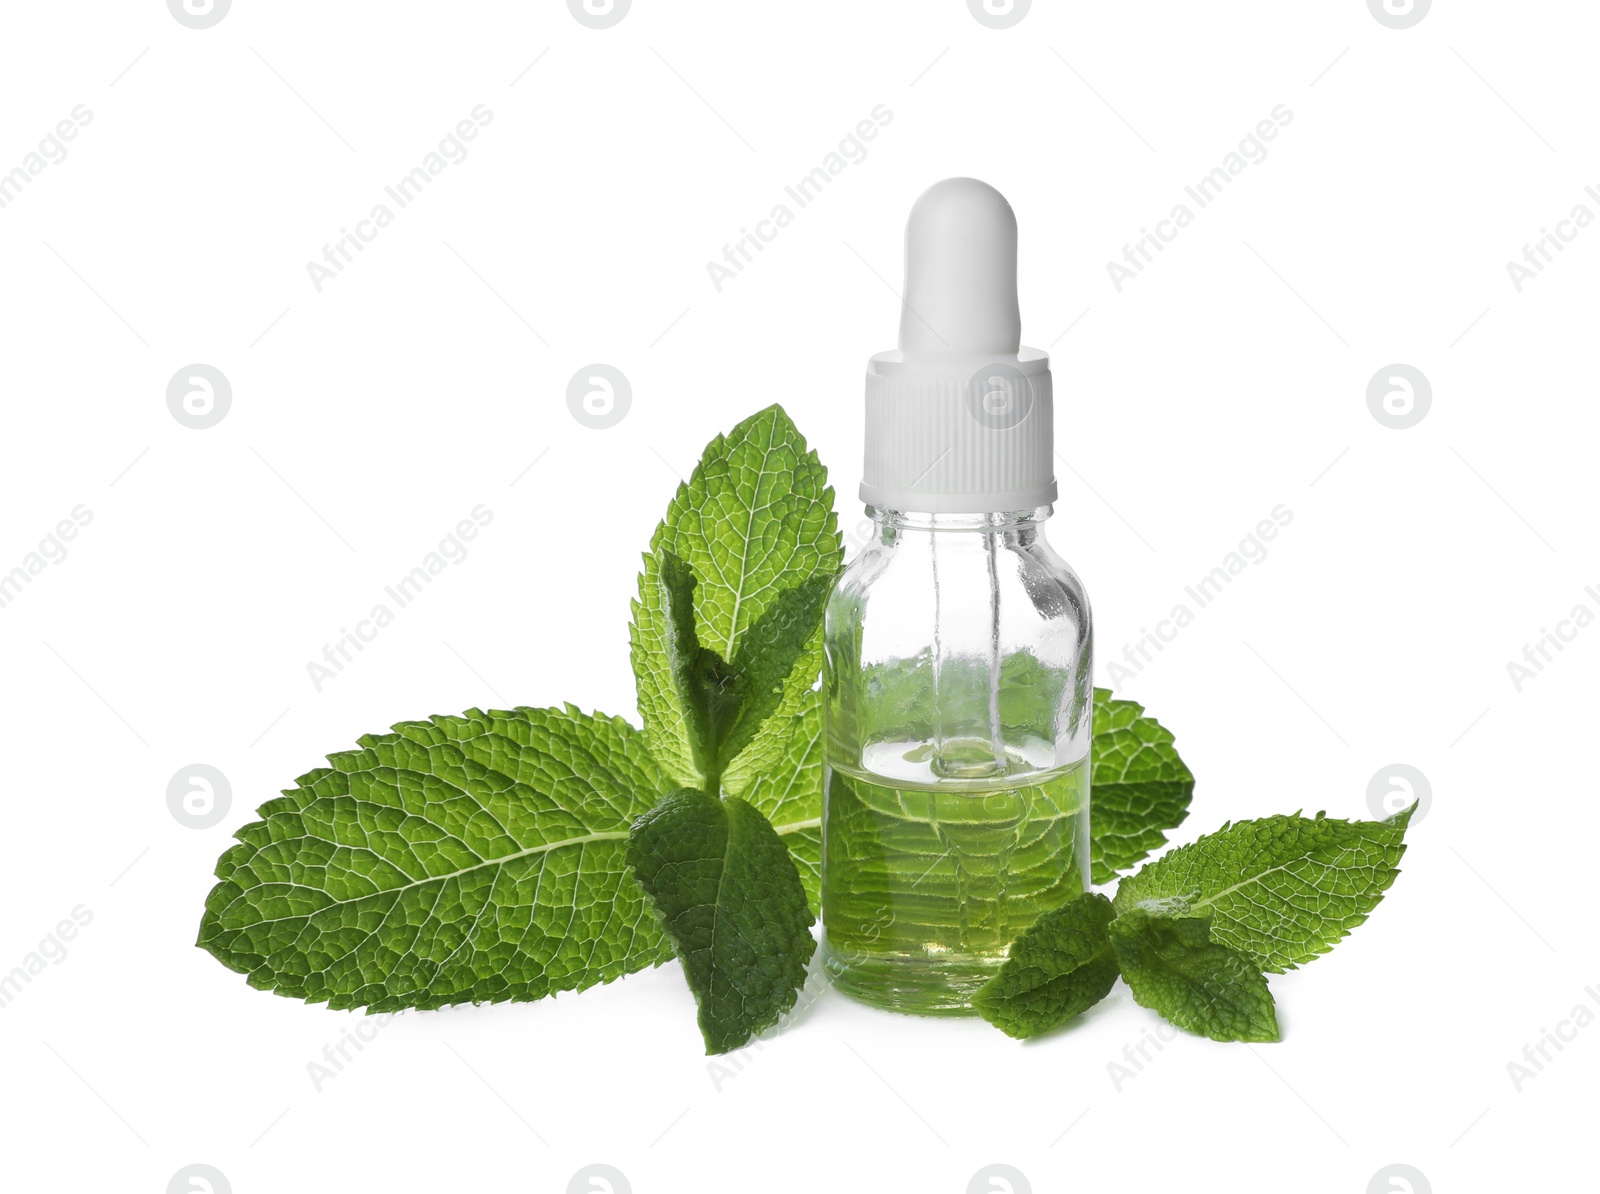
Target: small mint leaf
pixel 665 650
pixel 1057 969
pixel 1173 967
pixel 1141 787
pixel 724 704
pixel 771 745
pixel 1282 890
pixel 767 656
pixel 731 901
pixel 709 694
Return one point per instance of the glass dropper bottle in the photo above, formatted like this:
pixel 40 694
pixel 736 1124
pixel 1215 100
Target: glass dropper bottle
pixel 957 684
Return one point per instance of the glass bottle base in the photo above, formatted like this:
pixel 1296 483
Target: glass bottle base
pixel 910 984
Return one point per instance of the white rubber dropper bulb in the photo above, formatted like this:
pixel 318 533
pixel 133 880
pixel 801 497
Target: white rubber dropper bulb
pixel 961 273
pixel 960 416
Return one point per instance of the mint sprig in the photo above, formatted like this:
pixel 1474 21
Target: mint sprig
pixel 500 856
pixel 726 646
pixel 1193 932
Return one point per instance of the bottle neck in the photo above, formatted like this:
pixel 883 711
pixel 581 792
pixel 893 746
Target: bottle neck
pixel 903 521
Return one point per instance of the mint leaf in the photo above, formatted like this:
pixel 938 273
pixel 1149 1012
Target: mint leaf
pixel 457 859
pixel 1282 890
pixel 1058 968
pixel 701 682
pixel 785 785
pixel 724 703
pixel 1173 967
pixel 665 649
pixel 772 741
pixel 754 523
pixel 732 903
pixel 1140 786
pixel 766 659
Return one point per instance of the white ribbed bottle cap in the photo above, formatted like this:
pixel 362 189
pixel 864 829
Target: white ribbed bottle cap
pixel 959 417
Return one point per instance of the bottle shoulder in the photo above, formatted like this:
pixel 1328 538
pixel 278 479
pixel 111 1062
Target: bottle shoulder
pixel 958 655
pixel 1025 572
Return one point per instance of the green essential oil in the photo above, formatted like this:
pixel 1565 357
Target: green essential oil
pixel 926 884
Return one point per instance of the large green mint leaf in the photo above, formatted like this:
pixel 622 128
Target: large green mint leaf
pixel 479 857
pixel 1057 969
pixel 785 784
pixel 1140 786
pixel 732 903
pixel 1173 967
pixel 1281 890
pixel 754 521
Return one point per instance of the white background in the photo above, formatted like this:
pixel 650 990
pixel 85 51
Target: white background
pixel 369 418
